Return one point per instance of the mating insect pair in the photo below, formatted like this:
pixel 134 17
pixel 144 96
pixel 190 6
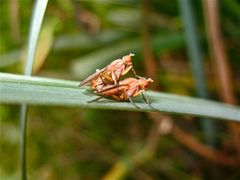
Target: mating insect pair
pixel 106 82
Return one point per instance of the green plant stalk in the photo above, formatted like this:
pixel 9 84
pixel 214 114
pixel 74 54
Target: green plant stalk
pixel 36 22
pixel 23 139
pixel 44 91
pixel 195 55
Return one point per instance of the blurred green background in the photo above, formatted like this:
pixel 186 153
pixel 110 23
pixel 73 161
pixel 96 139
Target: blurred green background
pixel 79 36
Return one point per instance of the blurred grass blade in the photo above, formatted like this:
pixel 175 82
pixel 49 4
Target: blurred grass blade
pixel 36 22
pixel 68 42
pixel 44 91
pixel 83 41
pixel 233 6
pixel 10 58
pixel 105 39
pixel 14 21
pixel 87 64
pixel 195 56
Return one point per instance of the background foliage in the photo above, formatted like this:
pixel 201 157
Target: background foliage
pixel 79 36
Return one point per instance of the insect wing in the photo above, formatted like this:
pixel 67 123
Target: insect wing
pixel 91 77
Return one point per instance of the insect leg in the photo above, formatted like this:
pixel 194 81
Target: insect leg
pixel 145 98
pixel 133 102
pixel 95 99
pixel 114 77
pixel 126 70
pixel 135 74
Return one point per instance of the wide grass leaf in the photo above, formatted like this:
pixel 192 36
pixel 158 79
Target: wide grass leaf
pixel 44 91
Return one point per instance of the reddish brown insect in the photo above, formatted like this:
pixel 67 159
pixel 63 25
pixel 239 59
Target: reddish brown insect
pixel 126 89
pixel 110 74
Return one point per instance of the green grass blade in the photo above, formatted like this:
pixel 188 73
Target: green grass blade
pixel 23 136
pixel 43 91
pixel 36 22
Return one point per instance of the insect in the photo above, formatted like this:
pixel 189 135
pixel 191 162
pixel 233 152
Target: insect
pixel 110 74
pixel 126 89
